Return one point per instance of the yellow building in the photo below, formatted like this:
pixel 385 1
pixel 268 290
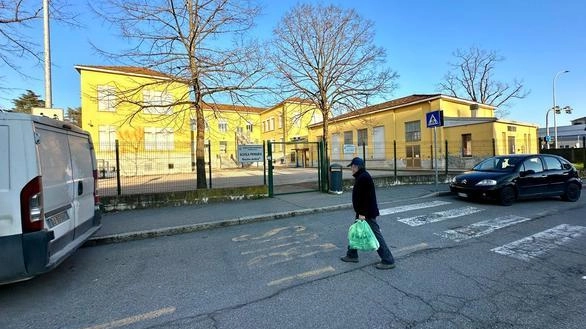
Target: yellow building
pixel 130 105
pixel 228 126
pixel 398 130
pixel 286 126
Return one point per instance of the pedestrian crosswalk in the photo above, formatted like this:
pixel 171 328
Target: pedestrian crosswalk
pixel 525 249
pixel 538 244
pixel 437 221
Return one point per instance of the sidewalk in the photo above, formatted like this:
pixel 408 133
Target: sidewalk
pixel 148 223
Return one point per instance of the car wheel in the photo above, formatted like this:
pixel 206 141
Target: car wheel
pixel 507 196
pixel 572 193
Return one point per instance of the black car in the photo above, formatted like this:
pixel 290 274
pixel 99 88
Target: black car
pixel 507 178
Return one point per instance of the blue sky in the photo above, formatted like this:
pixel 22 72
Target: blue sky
pixel 537 38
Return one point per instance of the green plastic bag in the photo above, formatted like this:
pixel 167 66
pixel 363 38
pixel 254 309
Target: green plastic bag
pixel 361 237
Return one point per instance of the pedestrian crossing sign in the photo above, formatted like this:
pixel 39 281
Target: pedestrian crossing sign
pixel 434 119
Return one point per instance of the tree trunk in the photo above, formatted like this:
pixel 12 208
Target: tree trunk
pixel 200 163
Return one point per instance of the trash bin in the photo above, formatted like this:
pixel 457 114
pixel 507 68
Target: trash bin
pixel 335 179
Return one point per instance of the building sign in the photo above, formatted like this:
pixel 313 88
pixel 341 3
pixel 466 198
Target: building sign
pixel 434 119
pixel 250 153
pixel 349 149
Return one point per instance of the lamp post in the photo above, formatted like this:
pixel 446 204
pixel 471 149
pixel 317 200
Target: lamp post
pixel 547 136
pixel 555 125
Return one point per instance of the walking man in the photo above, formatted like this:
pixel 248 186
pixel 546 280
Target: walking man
pixel 366 207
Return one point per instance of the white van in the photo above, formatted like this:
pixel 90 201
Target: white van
pixel 48 200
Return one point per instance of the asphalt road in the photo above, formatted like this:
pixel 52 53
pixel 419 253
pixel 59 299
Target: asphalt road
pixel 459 265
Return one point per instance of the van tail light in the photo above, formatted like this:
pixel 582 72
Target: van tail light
pixel 96 196
pixel 31 206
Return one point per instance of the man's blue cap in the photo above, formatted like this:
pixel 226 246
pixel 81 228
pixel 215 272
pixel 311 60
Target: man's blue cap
pixel 356 161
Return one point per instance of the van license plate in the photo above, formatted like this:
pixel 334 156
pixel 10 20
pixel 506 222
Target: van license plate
pixel 462 195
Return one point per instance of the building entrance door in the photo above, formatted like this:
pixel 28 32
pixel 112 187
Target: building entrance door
pixel 413 156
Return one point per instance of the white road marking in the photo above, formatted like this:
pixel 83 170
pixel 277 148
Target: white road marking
pixel 439 216
pixel 394 210
pixel 302 275
pixel 482 228
pixel 134 319
pixel 409 249
pixel 277 257
pixel 540 243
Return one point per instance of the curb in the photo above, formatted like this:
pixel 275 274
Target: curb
pixel 174 230
pixel 168 231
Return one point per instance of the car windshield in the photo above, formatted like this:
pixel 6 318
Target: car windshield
pixel 498 164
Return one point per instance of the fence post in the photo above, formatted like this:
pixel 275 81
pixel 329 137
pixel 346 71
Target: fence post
pixel 210 162
pixel 493 147
pixel 364 153
pixel 270 160
pixel 431 152
pixel 118 187
pixel 446 151
pixel 395 158
pixel 264 164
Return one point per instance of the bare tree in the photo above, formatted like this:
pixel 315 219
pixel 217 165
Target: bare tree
pixel 327 55
pixel 17 17
pixel 198 43
pixel 473 77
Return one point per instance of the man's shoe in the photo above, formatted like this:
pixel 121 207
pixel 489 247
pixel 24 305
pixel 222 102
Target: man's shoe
pixel 384 266
pixel 349 259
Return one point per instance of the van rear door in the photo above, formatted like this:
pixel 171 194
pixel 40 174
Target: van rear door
pixel 83 181
pixel 58 185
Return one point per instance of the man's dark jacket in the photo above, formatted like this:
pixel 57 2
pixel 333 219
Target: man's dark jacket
pixel 363 195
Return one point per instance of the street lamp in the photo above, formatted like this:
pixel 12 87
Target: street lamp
pixel 547 136
pixel 555 125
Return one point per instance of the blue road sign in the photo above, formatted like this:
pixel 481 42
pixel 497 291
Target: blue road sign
pixel 434 119
pixel 548 138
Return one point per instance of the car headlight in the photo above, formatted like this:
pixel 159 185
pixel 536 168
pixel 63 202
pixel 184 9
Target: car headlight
pixel 486 182
pixel 454 179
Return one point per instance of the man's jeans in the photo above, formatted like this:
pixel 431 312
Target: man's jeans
pixel 383 251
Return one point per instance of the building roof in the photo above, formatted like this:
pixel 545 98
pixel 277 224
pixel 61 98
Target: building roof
pixel 126 70
pixel 291 100
pixel 234 108
pixel 398 103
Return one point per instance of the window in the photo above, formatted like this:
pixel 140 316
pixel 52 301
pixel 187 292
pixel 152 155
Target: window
pixel 249 127
pixel 107 138
pixel 158 139
pixel 348 137
pixel 106 98
pixel 239 130
pixel 413 131
pixel 316 117
pixel 533 164
pixel 467 145
pixel 280 121
pixel 362 135
pixel 223 147
pixel 272 124
pixel 157 102
pixel 553 163
pixel 222 125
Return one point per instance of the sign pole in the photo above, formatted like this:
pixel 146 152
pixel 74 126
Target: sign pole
pixel 435 156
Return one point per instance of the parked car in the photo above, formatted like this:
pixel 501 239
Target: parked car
pixel 507 178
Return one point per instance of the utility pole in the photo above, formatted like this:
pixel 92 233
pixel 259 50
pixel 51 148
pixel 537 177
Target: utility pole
pixel 47 38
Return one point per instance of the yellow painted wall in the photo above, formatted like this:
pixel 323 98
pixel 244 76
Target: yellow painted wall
pixel 235 119
pixel 126 117
pixel 420 153
pixel 286 122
